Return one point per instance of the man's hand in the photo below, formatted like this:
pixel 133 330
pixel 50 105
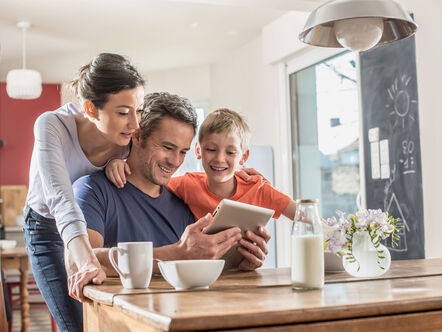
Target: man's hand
pixel 116 171
pixel 254 249
pixel 195 244
pixel 82 267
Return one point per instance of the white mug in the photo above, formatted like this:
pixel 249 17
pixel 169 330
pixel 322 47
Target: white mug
pixel 134 263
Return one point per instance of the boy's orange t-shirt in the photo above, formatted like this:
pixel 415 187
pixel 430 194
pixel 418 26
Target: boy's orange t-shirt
pixel 192 189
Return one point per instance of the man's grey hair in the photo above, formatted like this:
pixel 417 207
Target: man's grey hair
pixel 157 105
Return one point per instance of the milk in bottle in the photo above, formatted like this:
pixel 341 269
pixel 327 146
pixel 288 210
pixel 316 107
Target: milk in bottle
pixel 307 246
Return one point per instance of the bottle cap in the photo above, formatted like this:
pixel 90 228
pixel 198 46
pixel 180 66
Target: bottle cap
pixel 309 200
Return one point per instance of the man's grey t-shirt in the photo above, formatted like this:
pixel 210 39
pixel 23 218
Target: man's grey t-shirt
pixel 128 214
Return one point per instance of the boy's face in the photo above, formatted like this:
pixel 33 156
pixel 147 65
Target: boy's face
pixel 221 155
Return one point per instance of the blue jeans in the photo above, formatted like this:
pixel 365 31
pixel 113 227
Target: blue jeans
pixel 46 255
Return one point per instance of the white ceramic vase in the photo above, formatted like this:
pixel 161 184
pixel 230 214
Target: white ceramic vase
pixel 367 263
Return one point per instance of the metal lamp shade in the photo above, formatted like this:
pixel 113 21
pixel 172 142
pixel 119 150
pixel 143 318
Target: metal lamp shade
pixel 319 29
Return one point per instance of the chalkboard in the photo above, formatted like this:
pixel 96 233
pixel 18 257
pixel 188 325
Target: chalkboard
pixel 392 152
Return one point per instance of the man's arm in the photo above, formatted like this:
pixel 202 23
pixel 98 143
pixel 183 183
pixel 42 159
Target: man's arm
pixel 97 242
pixel 193 244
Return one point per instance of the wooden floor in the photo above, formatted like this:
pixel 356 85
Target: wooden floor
pixel 39 321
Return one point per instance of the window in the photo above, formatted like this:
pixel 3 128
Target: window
pixel 325 133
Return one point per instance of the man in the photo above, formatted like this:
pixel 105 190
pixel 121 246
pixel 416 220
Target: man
pixel 144 210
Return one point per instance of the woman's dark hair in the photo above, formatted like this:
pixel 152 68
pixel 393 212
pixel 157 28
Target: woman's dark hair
pixel 106 74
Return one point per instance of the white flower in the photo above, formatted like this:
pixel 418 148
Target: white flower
pixel 337 241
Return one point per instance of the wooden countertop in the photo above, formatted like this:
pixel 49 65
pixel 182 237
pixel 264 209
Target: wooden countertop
pixel 235 308
pixel 265 298
pixel 112 287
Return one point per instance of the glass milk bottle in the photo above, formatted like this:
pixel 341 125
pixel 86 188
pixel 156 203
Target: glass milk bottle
pixel 307 245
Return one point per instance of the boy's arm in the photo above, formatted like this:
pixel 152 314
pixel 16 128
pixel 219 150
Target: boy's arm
pixel 116 170
pixel 290 210
pixel 246 174
pixel 272 198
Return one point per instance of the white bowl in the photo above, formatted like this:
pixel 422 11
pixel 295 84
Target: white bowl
pixel 191 274
pixel 7 244
pixel 332 262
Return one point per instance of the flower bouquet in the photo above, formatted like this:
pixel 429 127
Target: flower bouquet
pixel 358 239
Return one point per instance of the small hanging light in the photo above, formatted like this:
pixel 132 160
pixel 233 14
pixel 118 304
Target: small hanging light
pixel 23 83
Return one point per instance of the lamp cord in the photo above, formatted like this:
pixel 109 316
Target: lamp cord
pixel 24 48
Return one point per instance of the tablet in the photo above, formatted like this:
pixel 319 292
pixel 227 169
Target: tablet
pixel 245 216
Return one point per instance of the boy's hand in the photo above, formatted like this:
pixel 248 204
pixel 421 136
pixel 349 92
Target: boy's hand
pixel 245 173
pixel 116 171
pixel 254 249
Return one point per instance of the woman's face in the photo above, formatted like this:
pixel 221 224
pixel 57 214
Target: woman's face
pixel 118 119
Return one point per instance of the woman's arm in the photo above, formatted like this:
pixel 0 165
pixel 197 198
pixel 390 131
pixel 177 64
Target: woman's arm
pixel 82 267
pixel 51 139
pixel 81 264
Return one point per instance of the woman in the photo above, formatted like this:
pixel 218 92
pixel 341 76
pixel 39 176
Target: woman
pixel 69 144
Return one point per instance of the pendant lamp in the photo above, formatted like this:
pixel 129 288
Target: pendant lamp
pixel 357 25
pixel 23 83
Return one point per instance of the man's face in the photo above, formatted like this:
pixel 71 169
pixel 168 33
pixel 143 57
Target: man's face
pixel 164 150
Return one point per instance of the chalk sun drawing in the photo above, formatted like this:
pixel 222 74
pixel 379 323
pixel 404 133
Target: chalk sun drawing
pixel 399 100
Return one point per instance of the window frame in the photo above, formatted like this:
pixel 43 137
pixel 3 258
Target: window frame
pixel 306 57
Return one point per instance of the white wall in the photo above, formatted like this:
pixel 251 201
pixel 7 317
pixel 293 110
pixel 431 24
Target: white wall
pixel 191 82
pixel 241 82
pixel 429 71
pixel 280 38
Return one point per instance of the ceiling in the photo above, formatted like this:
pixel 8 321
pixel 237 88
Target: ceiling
pixel 154 34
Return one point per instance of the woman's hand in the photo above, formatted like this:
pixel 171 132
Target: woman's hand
pixel 116 171
pixel 82 267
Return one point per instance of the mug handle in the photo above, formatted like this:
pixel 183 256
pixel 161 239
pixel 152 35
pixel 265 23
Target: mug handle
pixel 115 265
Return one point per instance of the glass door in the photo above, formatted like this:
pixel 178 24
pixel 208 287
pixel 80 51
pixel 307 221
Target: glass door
pixel 325 133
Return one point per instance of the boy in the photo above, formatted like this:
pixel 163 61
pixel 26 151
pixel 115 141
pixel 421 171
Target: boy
pixel 223 141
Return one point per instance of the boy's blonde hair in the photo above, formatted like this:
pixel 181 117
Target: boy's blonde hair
pixel 224 119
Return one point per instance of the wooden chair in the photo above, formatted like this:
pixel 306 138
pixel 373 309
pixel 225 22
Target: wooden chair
pixel 3 320
pixel 14 300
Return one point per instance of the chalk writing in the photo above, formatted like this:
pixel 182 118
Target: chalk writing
pixel 407 159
